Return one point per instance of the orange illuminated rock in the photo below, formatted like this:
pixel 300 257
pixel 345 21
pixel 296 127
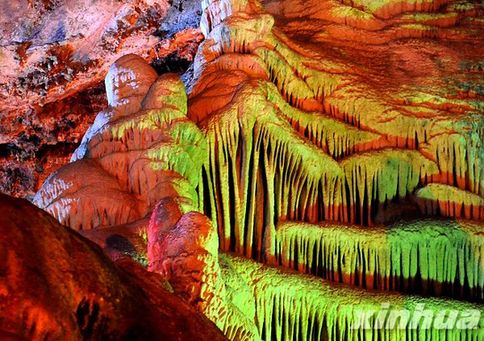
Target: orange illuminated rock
pixel 140 150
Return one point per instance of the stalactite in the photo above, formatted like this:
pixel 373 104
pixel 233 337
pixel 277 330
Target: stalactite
pixel 453 152
pixel 300 182
pixel 295 307
pixel 387 8
pixel 291 67
pixel 311 86
pixel 354 105
pixel 297 175
pixel 460 159
pixel 335 138
pixel 383 175
pixel 434 251
pixel 450 202
pixel 284 76
pixel 144 122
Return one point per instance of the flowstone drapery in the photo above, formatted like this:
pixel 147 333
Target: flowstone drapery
pixel 444 256
pixel 315 136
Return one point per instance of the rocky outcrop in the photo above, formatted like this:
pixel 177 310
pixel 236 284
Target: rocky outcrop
pixel 55 284
pixel 135 154
pixel 53 58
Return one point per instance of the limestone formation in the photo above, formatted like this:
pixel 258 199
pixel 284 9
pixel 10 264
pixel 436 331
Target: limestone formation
pixel 143 145
pixel 342 139
pixel 444 256
pixel 54 55
pixel 296 307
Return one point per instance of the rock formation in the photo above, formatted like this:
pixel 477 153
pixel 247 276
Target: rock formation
pixel 57 285
pixel 324 158
pixel 53 57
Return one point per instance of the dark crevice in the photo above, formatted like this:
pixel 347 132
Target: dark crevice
pixel 87 315
pixel 171 63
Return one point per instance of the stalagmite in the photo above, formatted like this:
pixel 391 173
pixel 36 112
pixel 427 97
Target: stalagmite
pixel 143 148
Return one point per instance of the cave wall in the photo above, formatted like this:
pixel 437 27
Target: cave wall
pixel 317 158
pixel 54 55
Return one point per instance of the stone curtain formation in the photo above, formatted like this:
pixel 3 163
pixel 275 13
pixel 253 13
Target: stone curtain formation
pixel 326 159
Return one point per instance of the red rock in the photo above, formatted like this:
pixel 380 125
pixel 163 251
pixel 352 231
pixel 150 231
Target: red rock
pixel 184 249
pixel 55 284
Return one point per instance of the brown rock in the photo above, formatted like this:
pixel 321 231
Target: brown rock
pixel 55 284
